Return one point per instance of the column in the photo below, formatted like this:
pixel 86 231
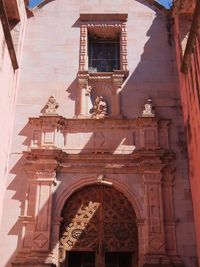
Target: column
pixel 117 86
pixel 83 95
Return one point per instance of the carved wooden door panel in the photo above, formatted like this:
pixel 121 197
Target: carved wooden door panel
pixel 100 219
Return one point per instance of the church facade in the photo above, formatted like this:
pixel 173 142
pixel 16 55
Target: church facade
pixel 95 168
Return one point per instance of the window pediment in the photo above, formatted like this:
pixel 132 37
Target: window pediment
pixel 103 16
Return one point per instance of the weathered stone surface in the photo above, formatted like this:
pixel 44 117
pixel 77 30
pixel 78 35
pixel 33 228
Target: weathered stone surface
pixel 136 152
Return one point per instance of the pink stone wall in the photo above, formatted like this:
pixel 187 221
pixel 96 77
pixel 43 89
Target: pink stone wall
pixel 8 94
pixel 49 66
pixel 190 100
pixel 6 118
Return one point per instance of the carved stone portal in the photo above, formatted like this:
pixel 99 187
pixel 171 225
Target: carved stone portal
pixel 98 218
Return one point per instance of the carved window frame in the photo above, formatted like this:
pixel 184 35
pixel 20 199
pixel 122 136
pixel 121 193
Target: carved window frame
pixel 89 21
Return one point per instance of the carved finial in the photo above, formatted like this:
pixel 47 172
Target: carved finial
pixel 51 107
pixel 99 108
pixel 148 109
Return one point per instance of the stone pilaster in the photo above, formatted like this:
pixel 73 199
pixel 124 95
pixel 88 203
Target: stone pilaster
pixel 170 221
pixel 156 249
pixel 35 248
pixel 55 237
pixel 124 50
pixel 45 181
pixel 83 48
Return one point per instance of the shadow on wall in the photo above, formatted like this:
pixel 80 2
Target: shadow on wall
pixel 155 69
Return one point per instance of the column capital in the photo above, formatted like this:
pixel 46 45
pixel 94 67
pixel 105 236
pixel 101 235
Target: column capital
pixel 152 177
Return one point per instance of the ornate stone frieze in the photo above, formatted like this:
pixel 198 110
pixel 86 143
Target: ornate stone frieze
pixel 137 162
pixel 49 132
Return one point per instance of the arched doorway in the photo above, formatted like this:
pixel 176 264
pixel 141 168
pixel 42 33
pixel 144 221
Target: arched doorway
pixel 98 229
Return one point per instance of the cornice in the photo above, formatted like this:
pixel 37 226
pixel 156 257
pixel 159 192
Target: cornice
pixel 44 160
pixel 103 16
pixel 60 122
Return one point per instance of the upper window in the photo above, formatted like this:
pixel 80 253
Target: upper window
pixel 103 43
pixel 104 54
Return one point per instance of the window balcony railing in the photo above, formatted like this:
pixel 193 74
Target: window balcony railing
pixel 103 65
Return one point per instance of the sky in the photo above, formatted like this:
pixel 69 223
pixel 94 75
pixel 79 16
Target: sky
pixel 165 3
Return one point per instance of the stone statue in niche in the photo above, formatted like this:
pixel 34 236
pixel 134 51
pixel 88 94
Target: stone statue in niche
pixel 51 107
pixel 148 109
pixel 99 108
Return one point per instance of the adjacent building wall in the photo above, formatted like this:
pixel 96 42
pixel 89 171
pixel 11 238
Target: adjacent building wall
pixel 10 51
pixel 187 23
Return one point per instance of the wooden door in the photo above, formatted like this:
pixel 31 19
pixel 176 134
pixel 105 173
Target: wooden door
pixel 98 219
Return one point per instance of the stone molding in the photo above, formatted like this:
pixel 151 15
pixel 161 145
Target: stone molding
pixel 49 132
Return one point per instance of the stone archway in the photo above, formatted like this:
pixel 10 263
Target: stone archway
pixel 100 220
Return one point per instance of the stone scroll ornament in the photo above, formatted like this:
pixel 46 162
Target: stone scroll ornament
pixel 148 109
pixel 51 107
pixel 99 108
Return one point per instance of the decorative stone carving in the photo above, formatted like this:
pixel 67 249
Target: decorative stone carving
pixel 40 240
pixel 148 109
pixel 99 108
pixel 51 107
